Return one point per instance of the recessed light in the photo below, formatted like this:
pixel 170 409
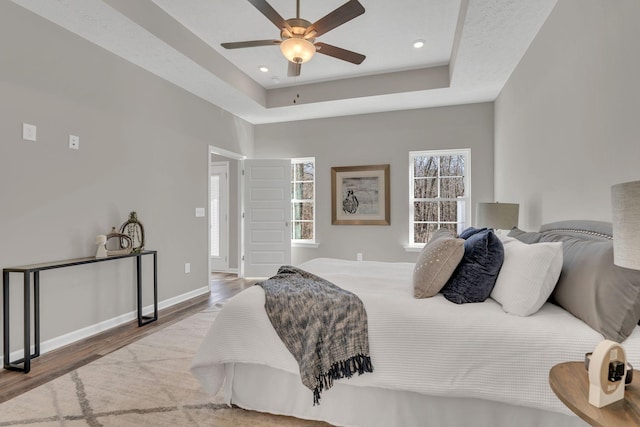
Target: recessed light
pixel 418 44
pixel 275 79
pixel 264 69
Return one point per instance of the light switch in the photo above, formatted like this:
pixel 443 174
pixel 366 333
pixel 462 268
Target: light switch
pixel 74 142
pixel 199 212
pixel 28 132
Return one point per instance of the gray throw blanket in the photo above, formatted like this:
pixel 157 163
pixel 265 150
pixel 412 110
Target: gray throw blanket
pixel 323 326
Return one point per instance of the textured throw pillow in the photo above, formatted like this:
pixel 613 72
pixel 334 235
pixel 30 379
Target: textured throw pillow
pixel 593 289
pixel 528 275
pixel 476 274
pixel 437 261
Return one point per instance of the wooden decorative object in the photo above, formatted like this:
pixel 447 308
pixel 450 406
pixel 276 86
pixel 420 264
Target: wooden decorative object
pixel 134 229
pixel 607 370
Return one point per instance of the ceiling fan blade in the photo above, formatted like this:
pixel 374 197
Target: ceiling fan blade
pixel 271 14
pixel 344 13
pixel 338 52
pixel 252 43
pixel 294 69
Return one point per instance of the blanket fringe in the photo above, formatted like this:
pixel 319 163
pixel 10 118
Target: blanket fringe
pixel 343 369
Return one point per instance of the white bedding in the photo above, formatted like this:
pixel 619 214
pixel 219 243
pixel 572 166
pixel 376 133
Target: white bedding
pixel 428 346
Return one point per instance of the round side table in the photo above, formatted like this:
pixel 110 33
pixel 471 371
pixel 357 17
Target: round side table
pixel 570 382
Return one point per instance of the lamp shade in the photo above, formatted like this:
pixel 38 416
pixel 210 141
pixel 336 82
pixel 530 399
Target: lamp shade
pixel 297 49
pixel 626 224
pixel 499 216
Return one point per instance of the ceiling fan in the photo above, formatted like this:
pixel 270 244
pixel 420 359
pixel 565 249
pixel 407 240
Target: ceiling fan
pixel 297 36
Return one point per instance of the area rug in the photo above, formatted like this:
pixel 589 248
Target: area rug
pixel 146 383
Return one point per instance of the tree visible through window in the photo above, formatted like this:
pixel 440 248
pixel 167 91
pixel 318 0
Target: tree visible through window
pixel 303 200
pixel 440 192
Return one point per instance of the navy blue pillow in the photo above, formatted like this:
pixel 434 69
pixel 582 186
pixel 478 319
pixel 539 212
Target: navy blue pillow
pixel 474 278
pixel 468 232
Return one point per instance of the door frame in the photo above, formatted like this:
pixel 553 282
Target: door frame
pixel 233 156
pixel 221 168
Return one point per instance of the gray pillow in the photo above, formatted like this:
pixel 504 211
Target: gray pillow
pixel 525 236
pixel 593 289
pixel 437 261
pixel 476 274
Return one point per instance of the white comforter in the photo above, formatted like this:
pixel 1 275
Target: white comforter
pixel 428 346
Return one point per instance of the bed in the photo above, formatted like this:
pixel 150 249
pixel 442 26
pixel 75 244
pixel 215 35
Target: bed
pixel 435 362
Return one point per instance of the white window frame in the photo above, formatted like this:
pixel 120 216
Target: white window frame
pixel 304 242
pixel 467 185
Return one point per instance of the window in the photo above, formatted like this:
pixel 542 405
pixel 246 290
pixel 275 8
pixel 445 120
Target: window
pixel 439 193
pixel 303 183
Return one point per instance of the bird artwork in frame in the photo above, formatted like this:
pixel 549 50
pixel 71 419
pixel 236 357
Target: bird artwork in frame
pixel 360 195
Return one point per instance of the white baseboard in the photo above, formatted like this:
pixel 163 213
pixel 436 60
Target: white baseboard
pixel 105 325
pixel 178 299
pixel 228 270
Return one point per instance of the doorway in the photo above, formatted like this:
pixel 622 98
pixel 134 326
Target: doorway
pixel 219 216
pixel 224 221
pixel 262 225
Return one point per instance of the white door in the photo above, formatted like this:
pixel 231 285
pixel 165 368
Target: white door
pixel 267 216
pixel 219 216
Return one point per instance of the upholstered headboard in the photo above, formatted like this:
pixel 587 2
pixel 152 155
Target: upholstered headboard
pixel 588 230
pixel 591 230
pixel 591 287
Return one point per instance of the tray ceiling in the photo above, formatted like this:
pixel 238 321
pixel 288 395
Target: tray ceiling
pixel 471 48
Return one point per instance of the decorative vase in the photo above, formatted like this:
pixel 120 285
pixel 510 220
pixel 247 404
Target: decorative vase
pixel 134 229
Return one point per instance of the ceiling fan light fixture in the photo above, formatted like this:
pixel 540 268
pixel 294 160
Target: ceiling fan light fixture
pixel 297 49
pixel 298 36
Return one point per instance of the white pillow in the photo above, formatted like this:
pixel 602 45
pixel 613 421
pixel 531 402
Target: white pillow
pixel 528 275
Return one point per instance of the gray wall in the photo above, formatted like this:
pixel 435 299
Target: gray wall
pixel 143 147
pixel 567 125
pixel 379 139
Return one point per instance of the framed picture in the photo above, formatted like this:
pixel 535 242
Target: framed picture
pixel 360 195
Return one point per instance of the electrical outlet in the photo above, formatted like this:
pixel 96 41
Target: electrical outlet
pixel 359 256
pixel 28 132
pixel 187 268
pixel 74 142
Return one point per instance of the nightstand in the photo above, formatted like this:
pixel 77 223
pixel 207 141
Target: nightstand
pixel 570 382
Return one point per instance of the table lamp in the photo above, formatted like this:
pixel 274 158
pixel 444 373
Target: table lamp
pixel 625 199
pixel 499 216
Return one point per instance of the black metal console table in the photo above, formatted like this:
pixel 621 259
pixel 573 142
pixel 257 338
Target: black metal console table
pixel 26 270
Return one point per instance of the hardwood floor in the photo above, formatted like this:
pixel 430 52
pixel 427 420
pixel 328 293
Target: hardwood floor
pixel 65 359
